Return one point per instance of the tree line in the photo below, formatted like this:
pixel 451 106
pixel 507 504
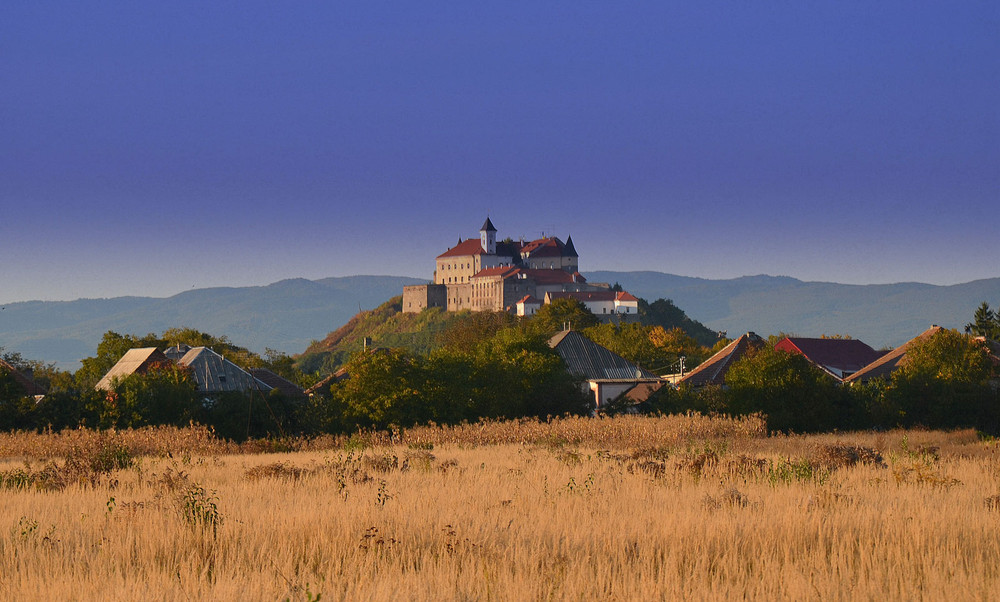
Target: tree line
pixel 495 365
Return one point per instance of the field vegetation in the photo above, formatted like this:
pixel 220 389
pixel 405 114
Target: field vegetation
pixel 623 508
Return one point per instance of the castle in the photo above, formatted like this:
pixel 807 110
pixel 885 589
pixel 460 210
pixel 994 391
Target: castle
pixel 488 275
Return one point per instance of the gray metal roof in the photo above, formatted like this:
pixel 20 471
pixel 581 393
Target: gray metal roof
pixel 216 374
pixel 590 361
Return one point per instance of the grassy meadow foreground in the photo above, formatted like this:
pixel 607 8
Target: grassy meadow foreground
pixel 627 508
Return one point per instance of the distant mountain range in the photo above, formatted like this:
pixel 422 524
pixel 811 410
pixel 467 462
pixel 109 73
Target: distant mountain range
pixel 882 315
pixel 290 314
pixel 286 316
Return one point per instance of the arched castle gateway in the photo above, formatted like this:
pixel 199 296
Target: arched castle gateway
pixel 483 274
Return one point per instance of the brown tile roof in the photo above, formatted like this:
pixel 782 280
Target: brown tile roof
pixel 287 387
pixel 327 381
pixel 885 365
pixel 29 386
pixel 642 391
pixel 713 370
pixel 832 355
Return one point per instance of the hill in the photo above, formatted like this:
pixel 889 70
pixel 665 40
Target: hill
pixel 386 326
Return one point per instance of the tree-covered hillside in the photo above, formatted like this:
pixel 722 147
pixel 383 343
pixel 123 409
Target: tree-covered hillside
pixel 387 326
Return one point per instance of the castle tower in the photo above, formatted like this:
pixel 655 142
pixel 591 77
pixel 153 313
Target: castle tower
pixel 488 237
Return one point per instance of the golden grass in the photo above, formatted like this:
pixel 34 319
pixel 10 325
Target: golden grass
pixel 677 510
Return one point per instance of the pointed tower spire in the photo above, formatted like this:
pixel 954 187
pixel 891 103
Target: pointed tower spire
pixel 488 237
pixel 569 250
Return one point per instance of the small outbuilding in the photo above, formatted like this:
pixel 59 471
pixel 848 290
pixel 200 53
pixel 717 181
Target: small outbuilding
pixel 606 374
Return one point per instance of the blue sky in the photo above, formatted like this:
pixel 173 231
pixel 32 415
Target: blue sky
pixel 148 148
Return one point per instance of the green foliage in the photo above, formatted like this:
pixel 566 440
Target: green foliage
pixel 386 326
pixel 511 374
pixel 200 509
pixel 552 317
pixel 633 342
pixel 470 329
pixel 664 313
pixel 944 382
pixel 163 395
pixel 793 393
pixel 985 322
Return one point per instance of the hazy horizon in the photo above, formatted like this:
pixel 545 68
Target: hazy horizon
pixel 428 278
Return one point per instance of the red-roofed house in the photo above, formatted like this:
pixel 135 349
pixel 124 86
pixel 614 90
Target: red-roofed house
pixel 838 357
pixel 603 304
pixel 528 306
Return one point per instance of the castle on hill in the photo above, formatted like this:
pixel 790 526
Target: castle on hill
pixel 519 277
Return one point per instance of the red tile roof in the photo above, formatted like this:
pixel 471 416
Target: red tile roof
pixel 843 355
pixel 530 299
pixel 502 271
pixel 471 246
pixel 549 246
pixel 626 296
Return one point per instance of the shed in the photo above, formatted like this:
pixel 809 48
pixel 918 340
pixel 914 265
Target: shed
pixel 606 373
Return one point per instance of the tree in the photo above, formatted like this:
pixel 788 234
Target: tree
pixel 554 317
pixel 663 312
pixel 633 342
pixel 383 389
pixel 985 322
pixel 944 382
pixel 166 394
pixel 793 393
pixel 470 330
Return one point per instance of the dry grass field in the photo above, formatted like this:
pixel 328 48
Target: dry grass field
pixel 629 508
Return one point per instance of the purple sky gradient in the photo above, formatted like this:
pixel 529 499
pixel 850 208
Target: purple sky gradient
pixel 146 149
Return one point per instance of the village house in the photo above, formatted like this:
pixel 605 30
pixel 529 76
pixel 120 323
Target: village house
pixel 839 358
pixel 24 380
pixel 604 373
pixel 485 274
pixel 884 366
pixel 212 372
pixel 713 370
